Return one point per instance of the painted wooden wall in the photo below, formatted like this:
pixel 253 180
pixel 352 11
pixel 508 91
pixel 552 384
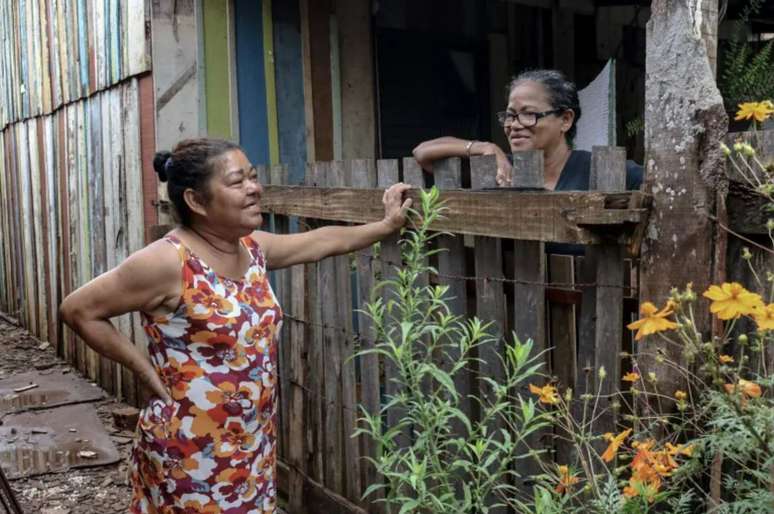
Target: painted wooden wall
pixel 76 139
pixel 72 208
pixel 55 52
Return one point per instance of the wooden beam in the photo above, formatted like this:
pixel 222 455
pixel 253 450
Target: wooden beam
pixel 316 498
pixel 563 217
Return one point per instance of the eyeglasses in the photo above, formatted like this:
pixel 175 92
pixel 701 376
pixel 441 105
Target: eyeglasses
pixel 526 119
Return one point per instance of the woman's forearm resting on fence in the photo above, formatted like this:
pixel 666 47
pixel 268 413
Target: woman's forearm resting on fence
pixel 286 250
pixel 427 152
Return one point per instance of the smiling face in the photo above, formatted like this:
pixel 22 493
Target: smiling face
pixel 233 202
pixel 549 133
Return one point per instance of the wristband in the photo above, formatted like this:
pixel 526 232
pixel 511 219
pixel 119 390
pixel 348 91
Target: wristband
pixel 469 146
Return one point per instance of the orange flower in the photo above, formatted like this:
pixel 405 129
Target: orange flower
pixel 653 320
pixel 747 388
pixel 725 359
pixel 680 395
pixel 730 300
pixel 764 317
pixel 566 481
pixel 631 377
pixel 615 442
pixel 547 393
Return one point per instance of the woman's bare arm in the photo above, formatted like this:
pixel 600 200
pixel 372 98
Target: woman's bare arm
pixel 286 250
pixel 430 151
pixel 146 281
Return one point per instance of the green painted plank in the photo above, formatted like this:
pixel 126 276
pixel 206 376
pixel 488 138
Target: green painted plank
pixel 217 68
pixel 271 90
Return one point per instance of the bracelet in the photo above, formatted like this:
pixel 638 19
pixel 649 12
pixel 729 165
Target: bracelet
pixel 469 146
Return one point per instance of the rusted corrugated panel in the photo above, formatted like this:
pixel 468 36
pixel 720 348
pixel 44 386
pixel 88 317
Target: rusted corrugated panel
pixel 54 53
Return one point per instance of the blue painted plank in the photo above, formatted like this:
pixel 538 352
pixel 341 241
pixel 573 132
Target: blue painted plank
pixel 288 74
pixel 251 81
pixel 83 46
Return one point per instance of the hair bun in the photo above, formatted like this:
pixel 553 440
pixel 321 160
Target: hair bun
pixel 160 164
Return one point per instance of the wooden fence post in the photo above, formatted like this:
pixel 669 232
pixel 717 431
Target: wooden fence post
pixel 281 225
pixel 315 174
pixel 608 173
pixel 387 174
pixel 342 176
pixel 297 446
pixel 364 176
pixel 529 320
pixel 490 298
pixel 451 269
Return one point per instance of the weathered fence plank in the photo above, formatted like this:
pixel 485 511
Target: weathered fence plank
pixel 346 341
pixel 490 300
pixel 608 173
pixel 315 176
pixel 364 176
pixel 529 272
pixel 387 173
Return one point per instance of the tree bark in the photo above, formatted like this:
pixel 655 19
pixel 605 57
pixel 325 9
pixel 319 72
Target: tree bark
pixel 684 123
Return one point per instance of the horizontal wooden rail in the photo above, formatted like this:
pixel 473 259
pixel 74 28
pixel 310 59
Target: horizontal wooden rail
pixel 558 217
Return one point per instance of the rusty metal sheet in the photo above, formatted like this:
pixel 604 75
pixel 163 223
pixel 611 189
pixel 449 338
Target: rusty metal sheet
pixel 54 440
pixel 52 389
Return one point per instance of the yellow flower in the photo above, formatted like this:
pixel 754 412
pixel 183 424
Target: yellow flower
pixel 760 111
pixel 725 359
pixel 615 442
pixel 764 317
pixel 547 393
pixel 731 300
pixel 631 377
pixel 565 480
pixel 653 320
pixel 680 395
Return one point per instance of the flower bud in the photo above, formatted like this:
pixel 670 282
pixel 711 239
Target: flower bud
pixel 743 340
pixel 652 376
pixel 725 149
pixel 746 255
pixel 602 373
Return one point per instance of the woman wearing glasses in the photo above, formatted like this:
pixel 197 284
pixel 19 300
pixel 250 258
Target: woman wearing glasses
pixel 542 114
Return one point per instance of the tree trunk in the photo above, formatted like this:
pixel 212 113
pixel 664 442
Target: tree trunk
pixel 684 123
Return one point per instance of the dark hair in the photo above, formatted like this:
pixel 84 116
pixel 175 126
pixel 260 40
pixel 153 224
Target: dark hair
pixel 562 93
pixel 189 166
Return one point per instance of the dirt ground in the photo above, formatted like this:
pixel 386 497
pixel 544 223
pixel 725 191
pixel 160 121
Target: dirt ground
pixel 99 490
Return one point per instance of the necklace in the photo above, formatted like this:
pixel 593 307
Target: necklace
pixel 212 244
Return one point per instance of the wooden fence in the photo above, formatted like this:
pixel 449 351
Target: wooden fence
pixel 497 255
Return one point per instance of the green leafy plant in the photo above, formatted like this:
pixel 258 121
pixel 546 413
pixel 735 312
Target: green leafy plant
pixel 746 72
pixel 438 458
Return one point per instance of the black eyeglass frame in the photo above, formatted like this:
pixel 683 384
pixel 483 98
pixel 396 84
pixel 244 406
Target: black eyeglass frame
pixel 503 115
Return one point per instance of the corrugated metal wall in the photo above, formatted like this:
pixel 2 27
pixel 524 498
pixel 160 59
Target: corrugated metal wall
pixel 76 113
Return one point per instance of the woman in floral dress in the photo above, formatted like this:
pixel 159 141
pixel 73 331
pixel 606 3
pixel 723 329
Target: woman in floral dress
pixel 207 438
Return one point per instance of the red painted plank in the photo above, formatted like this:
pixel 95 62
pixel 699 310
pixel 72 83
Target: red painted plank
pixel 147 150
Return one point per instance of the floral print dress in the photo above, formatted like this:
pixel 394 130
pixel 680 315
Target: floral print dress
pixel 213 449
